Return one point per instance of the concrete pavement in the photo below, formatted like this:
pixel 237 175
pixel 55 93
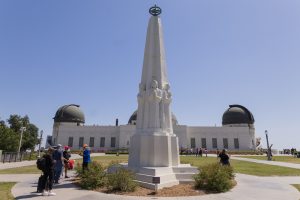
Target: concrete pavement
pixel 248 187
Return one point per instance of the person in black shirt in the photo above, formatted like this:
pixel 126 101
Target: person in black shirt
pixel 224 157
pixel 48 173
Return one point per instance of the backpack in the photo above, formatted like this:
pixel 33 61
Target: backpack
pixel 41 164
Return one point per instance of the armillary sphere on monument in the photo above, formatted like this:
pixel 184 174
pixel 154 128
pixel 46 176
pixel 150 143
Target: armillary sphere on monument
pixel 155 10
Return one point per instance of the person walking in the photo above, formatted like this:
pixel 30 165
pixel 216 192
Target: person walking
pixel 200 152
pixel 66 155
pixel 217 152
pixel 86 157
pixel 59 163
pixel 48 173
pixel 224 158
pixel 205 151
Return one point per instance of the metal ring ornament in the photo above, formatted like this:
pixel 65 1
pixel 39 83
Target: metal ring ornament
pixel 155 10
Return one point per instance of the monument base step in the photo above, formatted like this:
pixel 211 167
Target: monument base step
pixel 152 186
pixel 168 176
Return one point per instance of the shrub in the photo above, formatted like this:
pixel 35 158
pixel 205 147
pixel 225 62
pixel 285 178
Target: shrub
pixel 214 178
pixel 121 180
pixel 93 178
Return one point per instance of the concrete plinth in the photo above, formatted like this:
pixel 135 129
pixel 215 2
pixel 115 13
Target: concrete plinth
pixel 169 176
pixel 153 150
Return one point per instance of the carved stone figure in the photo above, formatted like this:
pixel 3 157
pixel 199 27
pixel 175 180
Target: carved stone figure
pixel 154 99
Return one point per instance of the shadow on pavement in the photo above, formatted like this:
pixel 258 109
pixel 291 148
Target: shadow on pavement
pixel 65 185
pixel 29 196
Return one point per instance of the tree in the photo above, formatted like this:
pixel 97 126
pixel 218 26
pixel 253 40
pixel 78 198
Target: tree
pixel 30 136
pixel 16 122
pixel 8 139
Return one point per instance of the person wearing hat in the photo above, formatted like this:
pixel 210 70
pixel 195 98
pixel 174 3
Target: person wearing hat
pixel 86 157
pixel 66 155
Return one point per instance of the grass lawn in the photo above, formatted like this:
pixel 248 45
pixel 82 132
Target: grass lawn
pixel 239 166
pixel 289 159
pixel 32 169
pixel 244 167
pixel 5 190
pixel 297 186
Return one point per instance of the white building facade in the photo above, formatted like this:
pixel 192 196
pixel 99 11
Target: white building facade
pixel 236 133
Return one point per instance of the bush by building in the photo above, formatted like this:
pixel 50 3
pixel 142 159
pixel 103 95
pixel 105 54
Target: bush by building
pixel 122 180
pixel 215 178
pixel 92 178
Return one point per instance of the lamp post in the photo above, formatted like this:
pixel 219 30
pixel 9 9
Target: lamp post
pixel 22 129
pixel 41 137
pixel 269 148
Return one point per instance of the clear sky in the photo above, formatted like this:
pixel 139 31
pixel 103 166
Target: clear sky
pixel 90 53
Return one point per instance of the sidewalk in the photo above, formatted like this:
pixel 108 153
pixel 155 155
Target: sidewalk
pixel 248 188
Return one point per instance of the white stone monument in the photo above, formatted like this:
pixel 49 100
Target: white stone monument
pixel 154 150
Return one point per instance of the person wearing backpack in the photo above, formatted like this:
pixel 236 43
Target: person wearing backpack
pixel 48 173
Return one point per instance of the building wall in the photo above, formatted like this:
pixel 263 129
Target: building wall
pixel 245 135
pixel 122 134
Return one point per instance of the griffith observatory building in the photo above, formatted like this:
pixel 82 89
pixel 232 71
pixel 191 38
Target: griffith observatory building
pixel 153 116
pixel 236 133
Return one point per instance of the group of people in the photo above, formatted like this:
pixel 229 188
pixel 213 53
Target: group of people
pixel 222 155
pixel 55 161
pixel 294 152
pixel 194 151
pixel 200 152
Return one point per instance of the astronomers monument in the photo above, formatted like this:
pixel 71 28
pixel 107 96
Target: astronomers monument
pixel 154 150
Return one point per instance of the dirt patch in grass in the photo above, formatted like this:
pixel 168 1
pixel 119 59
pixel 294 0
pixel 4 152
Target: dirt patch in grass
pixel 175 191
pixel 180 190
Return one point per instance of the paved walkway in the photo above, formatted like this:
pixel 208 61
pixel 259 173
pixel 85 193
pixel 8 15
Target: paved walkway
pixel 248 187
pixel 16 164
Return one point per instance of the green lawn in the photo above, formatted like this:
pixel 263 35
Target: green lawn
pixel 32 169
pixel 245 167
pixel 289 159
pixel 5 190
pixel 239 166
pixel 105 160
pixel 297 186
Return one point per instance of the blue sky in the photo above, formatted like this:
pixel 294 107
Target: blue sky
pixel 90 53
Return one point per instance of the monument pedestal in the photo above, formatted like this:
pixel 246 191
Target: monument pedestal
pixel 157 155
pixel 155 150
pixel 168 176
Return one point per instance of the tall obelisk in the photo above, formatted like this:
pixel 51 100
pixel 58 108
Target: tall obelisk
pixel 154 151
pixel 154 143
